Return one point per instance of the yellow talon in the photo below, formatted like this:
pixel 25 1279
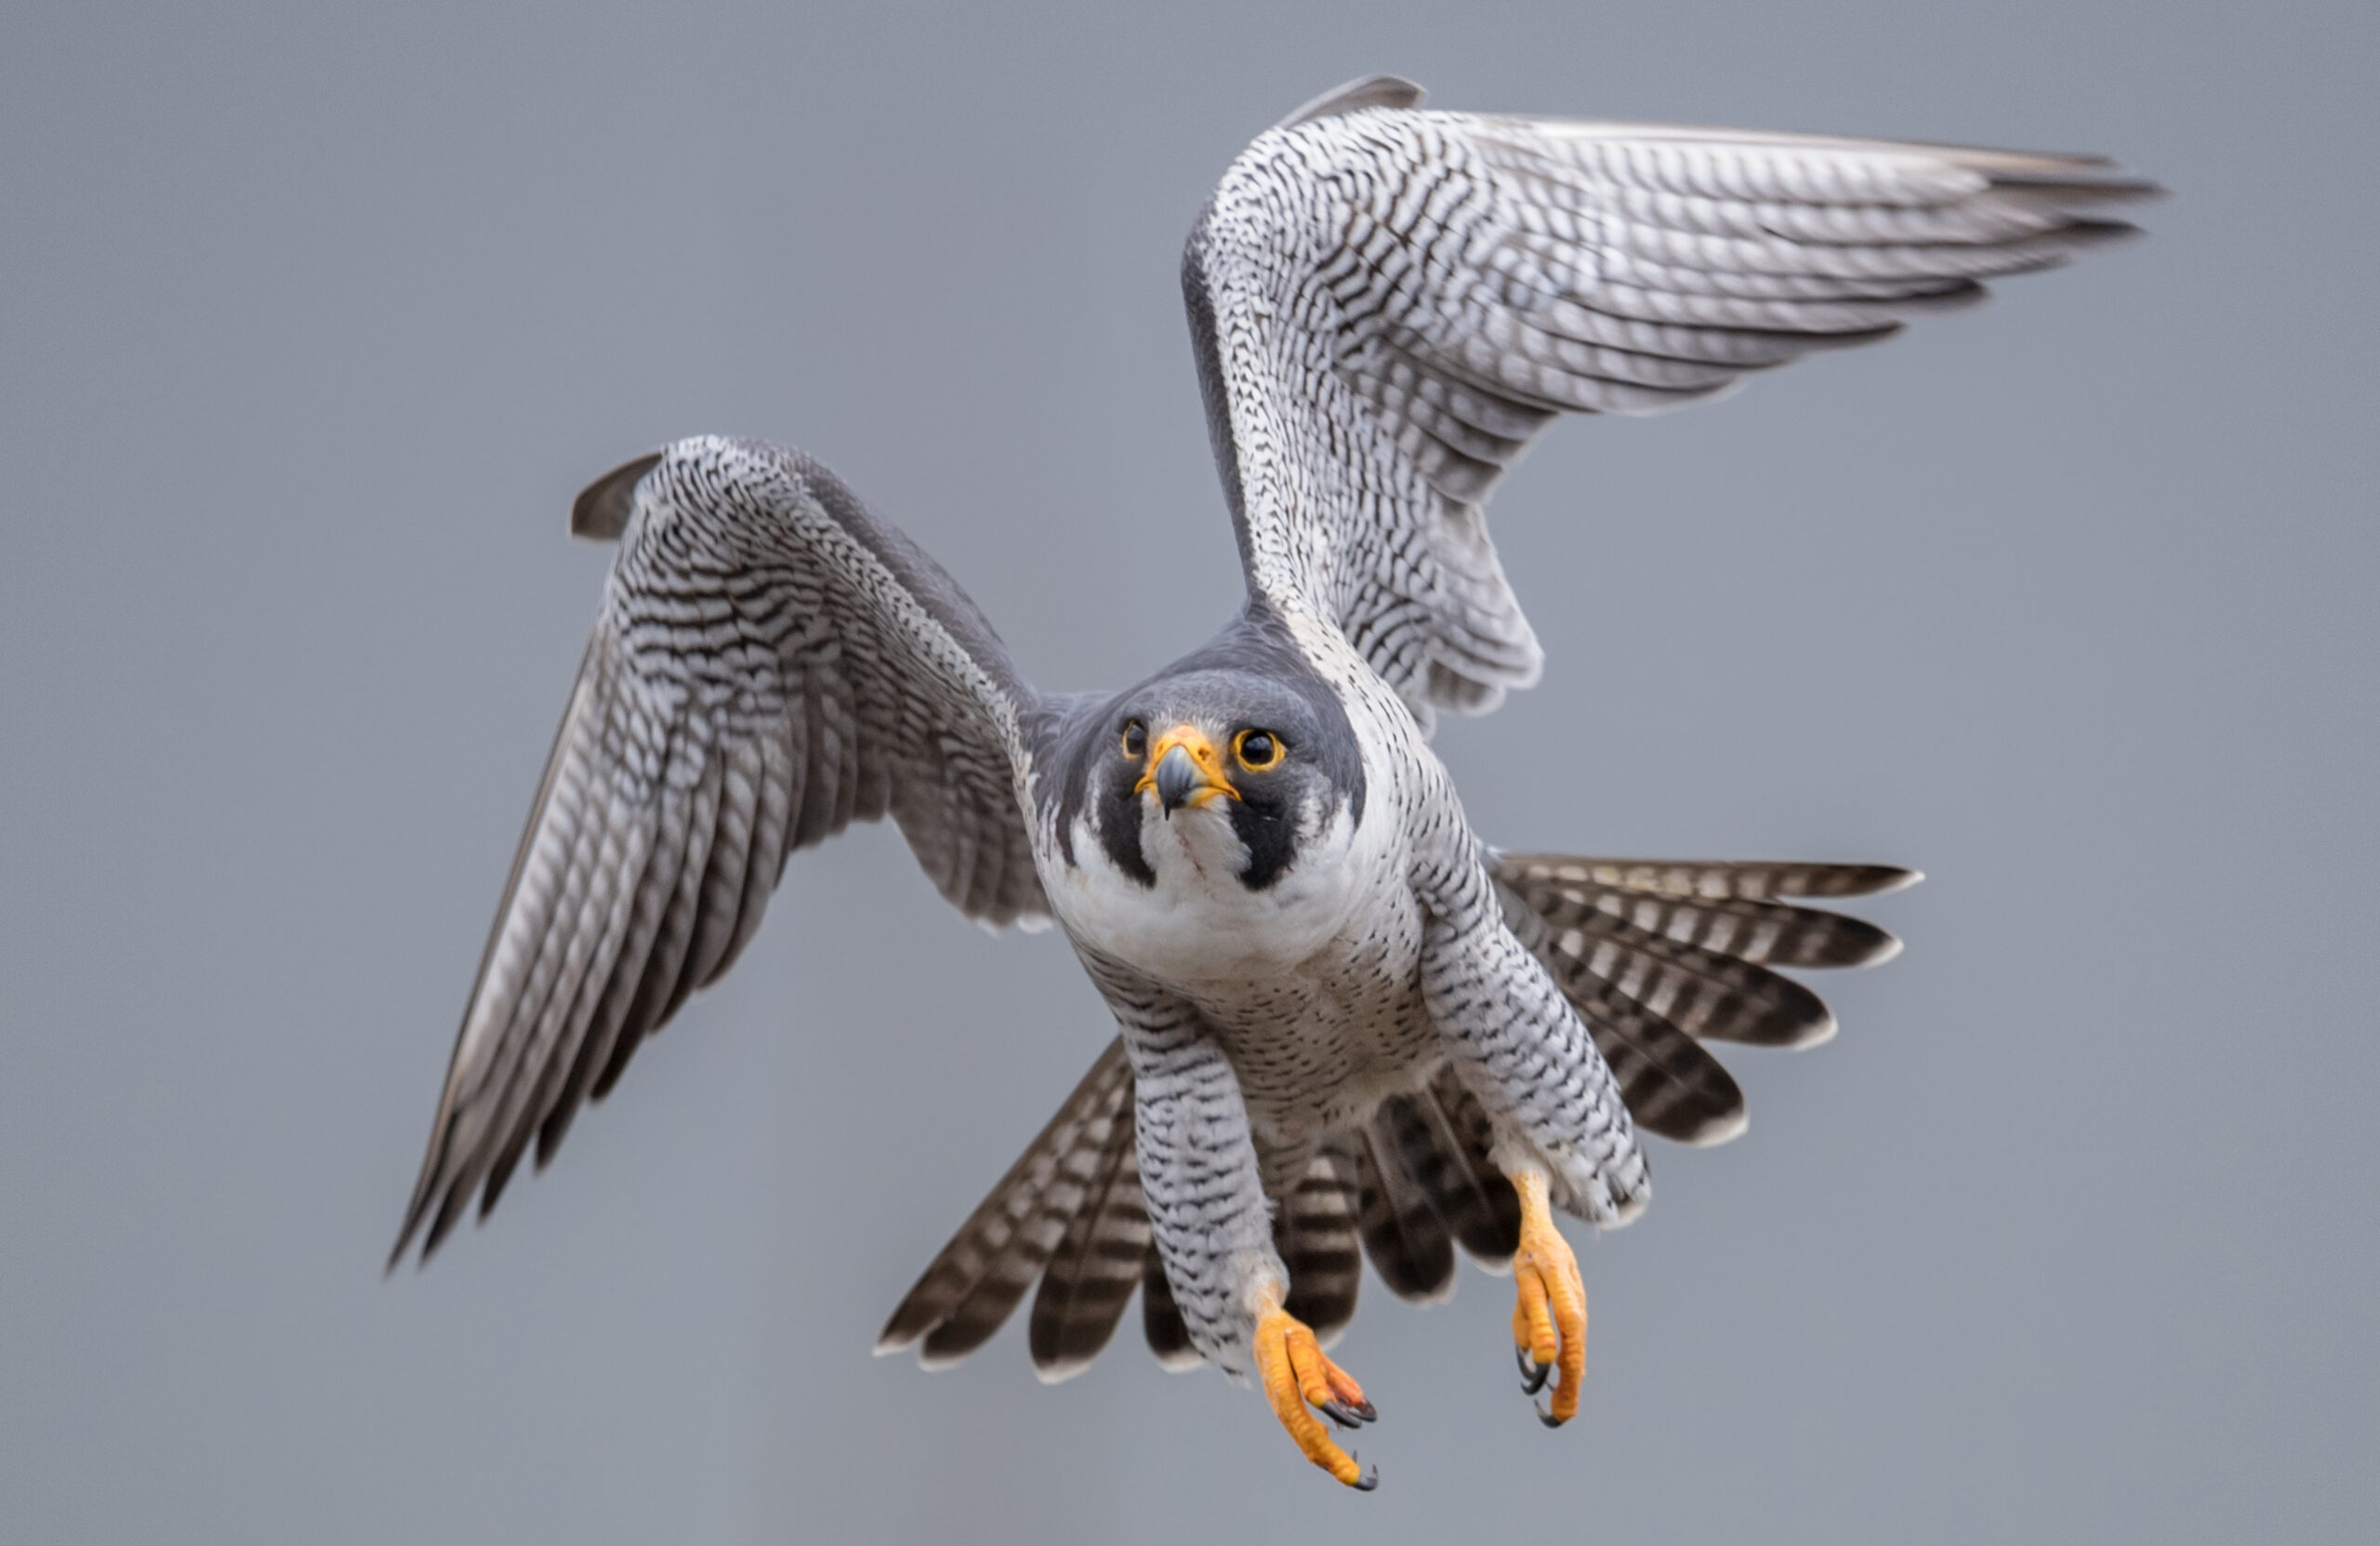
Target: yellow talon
pixel 1298 1378
pixel 1550 1317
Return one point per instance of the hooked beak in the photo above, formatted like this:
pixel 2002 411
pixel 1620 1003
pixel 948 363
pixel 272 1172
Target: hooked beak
pixel 1184 769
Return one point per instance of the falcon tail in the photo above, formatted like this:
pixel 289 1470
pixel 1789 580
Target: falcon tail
pixel 1657 956
pixel 1661 956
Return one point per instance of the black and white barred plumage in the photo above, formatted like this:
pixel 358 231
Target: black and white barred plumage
pixel 1345 1019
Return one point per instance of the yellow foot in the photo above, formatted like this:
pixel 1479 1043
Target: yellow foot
pixel 1296 1376
pixel 1550 1320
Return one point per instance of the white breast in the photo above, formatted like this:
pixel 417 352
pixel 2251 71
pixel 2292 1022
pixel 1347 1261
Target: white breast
pixel 1198 925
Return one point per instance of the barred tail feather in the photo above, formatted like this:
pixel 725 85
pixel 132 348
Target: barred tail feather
pixel 1470 1196
pixel 1707 996
pixel 1474 1138
pixel 1659 955
pixel 971 1286
pixel 1097 1265
pixel 1162 1322
pixel 1755 881
pixel 1670 1084
pixel 1409 1244
pixel 1315 1235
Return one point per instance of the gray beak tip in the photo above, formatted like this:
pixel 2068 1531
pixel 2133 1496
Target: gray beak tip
pixel 1177 775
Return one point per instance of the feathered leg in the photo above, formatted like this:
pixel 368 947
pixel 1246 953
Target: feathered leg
pixel 1561 1133
pixel 1522 1049
pixel 1213 1231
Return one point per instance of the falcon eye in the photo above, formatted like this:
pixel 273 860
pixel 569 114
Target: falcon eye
pixel 1136 739
pixel 1257 749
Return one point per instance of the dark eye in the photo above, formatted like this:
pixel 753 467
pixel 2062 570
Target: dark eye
pixel 1257 749
pixel 1136 739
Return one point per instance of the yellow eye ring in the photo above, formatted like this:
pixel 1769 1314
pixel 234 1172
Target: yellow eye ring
pixel 1258 749
pixel 1136 739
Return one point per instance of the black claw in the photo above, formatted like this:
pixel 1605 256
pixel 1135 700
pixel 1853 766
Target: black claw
pixel 1367 1480
pixel 1533 1374
pixel 1350 1416
pixel 1548 1418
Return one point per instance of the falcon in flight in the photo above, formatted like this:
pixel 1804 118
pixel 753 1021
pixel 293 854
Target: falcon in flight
pixel 1348 1026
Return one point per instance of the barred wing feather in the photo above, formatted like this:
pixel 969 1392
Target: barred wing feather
pixel 771 663
pixel 1388 304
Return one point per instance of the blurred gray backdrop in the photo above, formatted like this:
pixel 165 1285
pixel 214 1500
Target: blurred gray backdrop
pixel 312 321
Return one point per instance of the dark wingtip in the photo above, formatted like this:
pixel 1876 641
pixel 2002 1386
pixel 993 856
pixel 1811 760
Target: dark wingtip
pixel 2099 234
pixel 2083 180
pixel 1393 91
pixel 450 1214
pixel 416 1207
pixel 601 513
pixel 406 1237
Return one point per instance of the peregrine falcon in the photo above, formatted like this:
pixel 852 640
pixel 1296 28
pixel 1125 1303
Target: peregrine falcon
pixel 1348 1026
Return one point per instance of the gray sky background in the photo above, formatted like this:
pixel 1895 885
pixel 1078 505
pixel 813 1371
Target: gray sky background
pixel 313 320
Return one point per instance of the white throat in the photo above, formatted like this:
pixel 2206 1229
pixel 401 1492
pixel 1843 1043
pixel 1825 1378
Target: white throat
pixel 1199 924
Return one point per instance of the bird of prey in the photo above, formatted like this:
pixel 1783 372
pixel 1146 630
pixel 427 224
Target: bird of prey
pixel 1346 1023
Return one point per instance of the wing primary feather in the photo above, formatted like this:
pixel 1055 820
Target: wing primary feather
pixel 656 995
pixel 764 862
pixel 823 757
pixel 594 1050
pixel 549 1061
pixel 435 1161
pixel 722 896
pixel 555 890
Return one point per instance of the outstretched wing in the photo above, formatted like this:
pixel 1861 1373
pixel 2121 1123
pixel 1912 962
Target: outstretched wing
pixel 1388 304
pixel 771 663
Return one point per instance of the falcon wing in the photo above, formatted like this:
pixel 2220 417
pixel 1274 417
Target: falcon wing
pixel 1389 304
pixel 771 663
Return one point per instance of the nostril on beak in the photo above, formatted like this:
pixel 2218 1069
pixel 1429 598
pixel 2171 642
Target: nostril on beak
pixel 1177 775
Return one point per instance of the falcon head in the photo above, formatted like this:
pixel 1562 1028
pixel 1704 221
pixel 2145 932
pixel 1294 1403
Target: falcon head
pixel 1231 772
